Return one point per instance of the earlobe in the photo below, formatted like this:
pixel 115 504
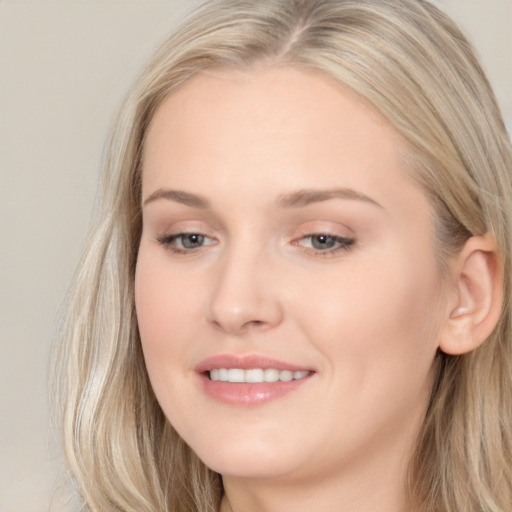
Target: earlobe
pixel 478 298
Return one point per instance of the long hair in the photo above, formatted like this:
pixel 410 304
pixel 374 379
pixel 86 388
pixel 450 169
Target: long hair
pixel 413 64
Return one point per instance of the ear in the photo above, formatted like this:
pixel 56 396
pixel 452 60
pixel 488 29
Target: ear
pixel 477 302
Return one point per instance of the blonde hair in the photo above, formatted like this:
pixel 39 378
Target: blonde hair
pixel 412 63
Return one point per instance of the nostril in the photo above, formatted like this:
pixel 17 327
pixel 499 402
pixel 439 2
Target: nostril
pixel 240 309
pixel 256 325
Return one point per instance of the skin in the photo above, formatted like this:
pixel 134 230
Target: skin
pixel 366 318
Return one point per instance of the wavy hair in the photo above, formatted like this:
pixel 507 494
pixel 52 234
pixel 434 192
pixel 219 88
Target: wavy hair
pixel 413 64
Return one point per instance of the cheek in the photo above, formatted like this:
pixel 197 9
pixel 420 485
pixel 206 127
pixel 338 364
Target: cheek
pixel 378 335
pixel 163 312
pixel 167 299
pixel 376 321
pixel 167 313
pixel 152 302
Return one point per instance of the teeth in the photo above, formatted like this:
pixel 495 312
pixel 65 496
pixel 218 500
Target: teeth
pixel 270 375
pixel 236 375
pixel 256 375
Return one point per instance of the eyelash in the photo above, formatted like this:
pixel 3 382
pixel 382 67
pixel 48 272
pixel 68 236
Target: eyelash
pixel 342 243
pixel 169 241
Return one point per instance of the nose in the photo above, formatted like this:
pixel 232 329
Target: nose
pixel 245 295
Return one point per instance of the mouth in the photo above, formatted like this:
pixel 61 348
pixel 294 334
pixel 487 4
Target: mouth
pixel 250 380
pixel 255 375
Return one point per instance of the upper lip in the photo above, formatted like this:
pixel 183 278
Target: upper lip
pixel 246 362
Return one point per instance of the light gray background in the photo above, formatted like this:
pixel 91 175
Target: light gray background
pixel 64 67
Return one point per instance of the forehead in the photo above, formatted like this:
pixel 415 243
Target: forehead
pixel 268 132
pixel 261 119
pixel 252 96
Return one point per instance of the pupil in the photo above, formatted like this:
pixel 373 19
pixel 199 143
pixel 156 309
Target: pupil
pixel 323 242
pixel 191 241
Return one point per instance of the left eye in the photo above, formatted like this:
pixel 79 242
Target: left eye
pixel 324 242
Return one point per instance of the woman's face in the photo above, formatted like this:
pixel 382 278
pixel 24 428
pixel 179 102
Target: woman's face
pixel 282 239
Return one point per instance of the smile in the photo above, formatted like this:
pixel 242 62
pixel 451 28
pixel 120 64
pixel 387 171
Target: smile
pixel 250 380
pixel 255 375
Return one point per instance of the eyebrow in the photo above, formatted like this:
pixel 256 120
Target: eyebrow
pixel 178 196
pixel 297 199
pixel 305 197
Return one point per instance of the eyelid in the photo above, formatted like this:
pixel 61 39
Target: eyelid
pixel 342 238
pixel 168 239
pixel 343 243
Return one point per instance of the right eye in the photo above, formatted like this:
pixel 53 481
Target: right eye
pixel 185 242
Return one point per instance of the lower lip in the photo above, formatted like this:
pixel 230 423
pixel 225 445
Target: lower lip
pixel 248 394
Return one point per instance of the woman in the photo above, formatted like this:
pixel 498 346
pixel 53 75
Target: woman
pixel 296 294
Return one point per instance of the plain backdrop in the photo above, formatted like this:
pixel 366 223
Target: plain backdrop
pixel 64 68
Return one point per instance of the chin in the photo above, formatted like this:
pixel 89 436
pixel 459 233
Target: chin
pixel 248 458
